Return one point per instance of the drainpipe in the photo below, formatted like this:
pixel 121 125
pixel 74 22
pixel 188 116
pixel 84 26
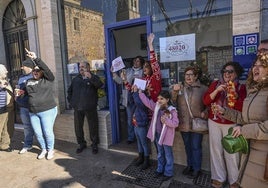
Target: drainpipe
pixel 63 45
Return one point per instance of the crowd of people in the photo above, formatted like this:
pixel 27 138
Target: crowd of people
pixel 153 114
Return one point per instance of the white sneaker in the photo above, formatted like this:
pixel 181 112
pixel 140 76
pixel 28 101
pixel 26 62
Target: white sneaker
pixel 50 154
pixel 42 154
pixel 24 150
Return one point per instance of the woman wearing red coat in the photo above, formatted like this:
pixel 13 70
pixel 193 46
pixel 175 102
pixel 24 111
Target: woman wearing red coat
pixel 225 92
pixel 152 73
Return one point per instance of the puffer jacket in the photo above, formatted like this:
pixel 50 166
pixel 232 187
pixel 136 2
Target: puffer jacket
pixel 195 93
pixel 141 111
pixel 254 118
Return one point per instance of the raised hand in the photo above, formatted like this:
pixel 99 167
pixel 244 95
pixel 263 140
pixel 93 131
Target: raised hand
pixel 150 38
pixel 134 88
pixel 123 75
pixel 30 54
pixel 88 74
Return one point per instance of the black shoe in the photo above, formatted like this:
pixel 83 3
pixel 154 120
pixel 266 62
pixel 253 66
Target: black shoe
pixel 130 142
pixel 158 174
pixel 166 178
pixel 146 163
pixel 94 149
pixel 188 170
pixel 7 150
pixel 194 174
pixel 81 148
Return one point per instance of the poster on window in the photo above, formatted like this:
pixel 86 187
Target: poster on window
pixel 244 50
pixel 177 48
pixel 73 68
pixel 97 64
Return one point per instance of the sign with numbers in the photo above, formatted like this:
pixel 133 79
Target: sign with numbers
pixel 177 48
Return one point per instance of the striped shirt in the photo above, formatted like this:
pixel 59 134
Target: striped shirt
pixel 3 100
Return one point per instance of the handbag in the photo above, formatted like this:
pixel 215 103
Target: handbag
pixel 198 124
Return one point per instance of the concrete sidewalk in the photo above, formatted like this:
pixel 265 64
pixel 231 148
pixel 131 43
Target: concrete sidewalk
pixel 66 169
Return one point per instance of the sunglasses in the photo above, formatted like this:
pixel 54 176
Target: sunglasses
pixel 36 70
pixel 228 71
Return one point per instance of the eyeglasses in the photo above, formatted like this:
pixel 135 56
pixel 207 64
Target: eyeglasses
pixel 189 74
pixel 228 71
pixel 36 70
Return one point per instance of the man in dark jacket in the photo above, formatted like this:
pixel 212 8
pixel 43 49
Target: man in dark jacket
pixel 83 97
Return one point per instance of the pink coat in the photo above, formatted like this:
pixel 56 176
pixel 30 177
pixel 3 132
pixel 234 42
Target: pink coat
pixel 171 123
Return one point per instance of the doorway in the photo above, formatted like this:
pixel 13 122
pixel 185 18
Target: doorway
pixel 16 40
pixel 125 39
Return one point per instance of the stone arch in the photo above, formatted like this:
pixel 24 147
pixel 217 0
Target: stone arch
pixel 3 5
pixel 15 35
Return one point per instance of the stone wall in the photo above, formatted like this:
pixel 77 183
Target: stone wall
pixel 87 40
pixel 216 58
pixel 246 19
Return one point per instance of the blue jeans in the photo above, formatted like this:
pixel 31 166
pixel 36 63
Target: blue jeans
pixel 193 148
pixel 141 135
pixel 165 158
pixel 28 129
pixel 43 123
pixel 130 130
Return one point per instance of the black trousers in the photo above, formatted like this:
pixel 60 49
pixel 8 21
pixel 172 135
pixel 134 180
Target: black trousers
pixel 93 125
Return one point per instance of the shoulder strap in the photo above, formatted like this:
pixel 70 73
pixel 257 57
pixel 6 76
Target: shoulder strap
pixel 187 102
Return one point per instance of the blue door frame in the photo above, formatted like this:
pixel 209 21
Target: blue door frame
pixel 110 55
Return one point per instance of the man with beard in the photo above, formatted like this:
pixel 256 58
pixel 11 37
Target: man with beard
pixel 21 98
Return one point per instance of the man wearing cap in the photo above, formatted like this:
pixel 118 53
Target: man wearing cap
pixel 22 101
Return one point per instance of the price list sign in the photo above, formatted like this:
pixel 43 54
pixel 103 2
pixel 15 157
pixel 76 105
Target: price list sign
pixel 244 50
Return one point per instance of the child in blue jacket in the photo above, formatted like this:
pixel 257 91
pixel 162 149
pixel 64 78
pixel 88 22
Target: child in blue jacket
pixel 140 122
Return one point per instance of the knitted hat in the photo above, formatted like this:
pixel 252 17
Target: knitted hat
pixel 28 63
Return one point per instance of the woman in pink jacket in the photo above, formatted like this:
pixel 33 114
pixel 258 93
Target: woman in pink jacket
pixel 162 131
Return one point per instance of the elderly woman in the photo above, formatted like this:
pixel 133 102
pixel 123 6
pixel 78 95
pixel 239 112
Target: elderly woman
pixel 254 118
pixel 6 108
pixel 225 92
pixel 192 140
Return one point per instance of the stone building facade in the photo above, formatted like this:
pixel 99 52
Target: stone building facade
pixel 84 32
